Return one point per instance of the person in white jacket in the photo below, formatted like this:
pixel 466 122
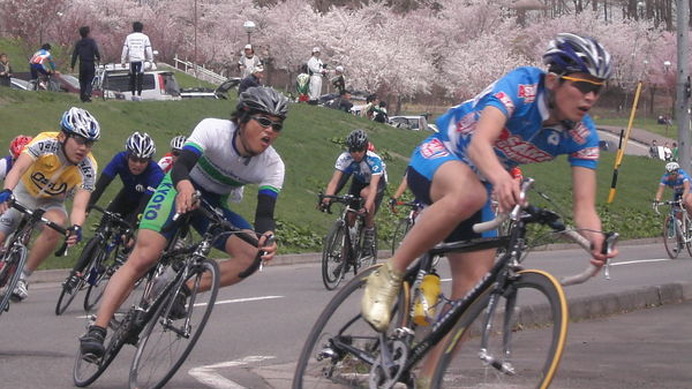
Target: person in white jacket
pixel 136 50
pixel 316 70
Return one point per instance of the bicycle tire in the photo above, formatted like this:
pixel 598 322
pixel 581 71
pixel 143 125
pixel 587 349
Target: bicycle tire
pixel 333 256
pixel 365 261
pixel 687 235
pixel 322 362
pixel 671 237
pixel 67 296
pixel 401 229
pixel 540 305
pixel 98 276
pixel 159 354
pixel 11 271
pixel 85 373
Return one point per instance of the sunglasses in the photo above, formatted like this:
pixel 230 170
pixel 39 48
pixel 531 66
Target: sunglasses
pixel 266 122
pixel 353 150
pixel 137 159
pixel 82 141
pixel 585 86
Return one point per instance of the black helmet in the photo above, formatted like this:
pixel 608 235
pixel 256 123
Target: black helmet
pixel 263 99
pixel 357 140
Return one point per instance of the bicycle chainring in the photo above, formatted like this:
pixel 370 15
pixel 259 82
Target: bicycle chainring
pixel 389 366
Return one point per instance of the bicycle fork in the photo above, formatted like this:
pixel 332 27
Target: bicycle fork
pixel 503 363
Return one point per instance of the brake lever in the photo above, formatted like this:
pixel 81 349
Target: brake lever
pixel 268 242
pixel 608 245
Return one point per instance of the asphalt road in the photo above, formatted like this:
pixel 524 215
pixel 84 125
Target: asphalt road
pixel 258 327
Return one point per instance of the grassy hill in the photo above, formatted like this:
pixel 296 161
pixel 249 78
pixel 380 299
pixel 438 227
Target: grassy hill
pixel 309 146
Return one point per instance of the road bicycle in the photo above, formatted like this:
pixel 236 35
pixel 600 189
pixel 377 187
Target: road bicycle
pixel 163 337
pixel 496 322
pixel 45 82
pixel 102 255
pixel 405 223
pixel 344 248
pixel 16 249
pixel 677 228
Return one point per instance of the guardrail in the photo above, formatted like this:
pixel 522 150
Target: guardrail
pixel 198 71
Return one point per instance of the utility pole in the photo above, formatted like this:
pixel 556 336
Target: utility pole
pixel 682 113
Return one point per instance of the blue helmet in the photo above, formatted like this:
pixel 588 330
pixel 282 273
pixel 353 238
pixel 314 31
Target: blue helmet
pixel 571 53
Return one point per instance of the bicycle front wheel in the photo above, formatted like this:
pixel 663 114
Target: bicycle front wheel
pixel 334 256
pixel 518 344
pixel 86 372
pixel 341 347
pixel 98 275
pixel 400 231
pixel 68 294
pixel 12 265
pixel 166 340
pixel 671 237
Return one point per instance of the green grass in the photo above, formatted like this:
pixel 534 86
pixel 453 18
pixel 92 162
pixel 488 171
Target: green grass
pixel 309 146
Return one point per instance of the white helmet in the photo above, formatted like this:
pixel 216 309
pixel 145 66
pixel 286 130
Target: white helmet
pixel 140 145
pixel 672 166
pixel 178 142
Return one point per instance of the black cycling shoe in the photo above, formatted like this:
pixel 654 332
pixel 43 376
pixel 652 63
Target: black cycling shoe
pixel 91 344
pixel 178 310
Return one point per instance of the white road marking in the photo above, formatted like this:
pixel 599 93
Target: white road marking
pixel 637 261
pixel 220 302
pixel 207 376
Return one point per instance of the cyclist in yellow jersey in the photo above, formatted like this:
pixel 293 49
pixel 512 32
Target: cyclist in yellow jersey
pixel 54 166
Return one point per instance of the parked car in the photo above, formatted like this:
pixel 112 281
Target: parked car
pixel 19 84
pixel 114 80
pixel 413 123
pixel 221 91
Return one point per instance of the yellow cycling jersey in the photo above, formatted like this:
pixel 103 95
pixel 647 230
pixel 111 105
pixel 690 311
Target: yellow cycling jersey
pixel 52 175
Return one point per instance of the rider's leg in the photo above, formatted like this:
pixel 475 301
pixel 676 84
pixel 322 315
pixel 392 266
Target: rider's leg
pixel 47 240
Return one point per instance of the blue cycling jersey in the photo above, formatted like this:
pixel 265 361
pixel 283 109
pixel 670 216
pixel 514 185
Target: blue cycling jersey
pixel 521 96
pixel 370 165
pixel 134 186
pixel 676 182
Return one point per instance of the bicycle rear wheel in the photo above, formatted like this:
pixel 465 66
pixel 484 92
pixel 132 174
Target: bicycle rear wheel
pixel 334 256
pixel 671 237
pixel 341 347
pixel 67 294
pixel 12 265
pixel 536 330
pixel 165 342
pixel 400 231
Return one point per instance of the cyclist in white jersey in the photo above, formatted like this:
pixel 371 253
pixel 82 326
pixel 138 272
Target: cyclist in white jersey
pixel 219 157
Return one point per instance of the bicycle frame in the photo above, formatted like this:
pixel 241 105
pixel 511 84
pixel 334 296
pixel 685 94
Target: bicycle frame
pixel 354 220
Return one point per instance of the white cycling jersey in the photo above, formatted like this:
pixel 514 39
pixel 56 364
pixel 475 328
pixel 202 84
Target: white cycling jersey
pixel 222 170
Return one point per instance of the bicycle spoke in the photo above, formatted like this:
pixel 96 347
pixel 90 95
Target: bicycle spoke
pixel 333 257
pixel 670 237
pixel 166 342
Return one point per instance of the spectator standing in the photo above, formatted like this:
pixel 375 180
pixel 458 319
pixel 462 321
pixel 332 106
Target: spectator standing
pixel 675 151
pixel 136 50
pixel 653 149
pixel 369 110
pixel 338 81
pixel 316 71
pixel 667 152
pixel 254 79
pixel 42 62
pixel 5 70
pixel 248 61
pixel 88 53
pixel 380 112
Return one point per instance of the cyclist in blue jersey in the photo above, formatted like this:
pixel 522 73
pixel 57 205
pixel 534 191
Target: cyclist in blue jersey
pixel 679 181
pixel 140 176
pixel 218 159
pixel 16 146
pixel 41 62
pixel 528 115
pixel 369 179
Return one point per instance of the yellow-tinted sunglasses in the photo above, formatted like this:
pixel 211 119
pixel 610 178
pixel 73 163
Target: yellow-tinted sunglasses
pixel 585 86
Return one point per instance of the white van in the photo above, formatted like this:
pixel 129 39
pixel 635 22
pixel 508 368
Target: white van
pixel 114 81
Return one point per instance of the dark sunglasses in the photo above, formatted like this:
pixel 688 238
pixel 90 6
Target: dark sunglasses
pixel 137 159
pixel 585 86
pixel 354 150
pixel 266 122
pixel 82 141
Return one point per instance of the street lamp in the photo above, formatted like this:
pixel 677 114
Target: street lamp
pixel 249 27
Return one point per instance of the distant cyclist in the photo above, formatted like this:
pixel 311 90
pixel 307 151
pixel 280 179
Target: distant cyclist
pixel 166 162
pixel 16 146
pixel 140 176
pixel 41 62
pixel 53 167
pixel 679 181
pixel 219 156
pixel 369 178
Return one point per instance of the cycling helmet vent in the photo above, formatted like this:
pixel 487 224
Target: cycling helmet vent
pixel 265 100
pixel 571 53
pixel 80 122
pixel 672 166
pixel 140 145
